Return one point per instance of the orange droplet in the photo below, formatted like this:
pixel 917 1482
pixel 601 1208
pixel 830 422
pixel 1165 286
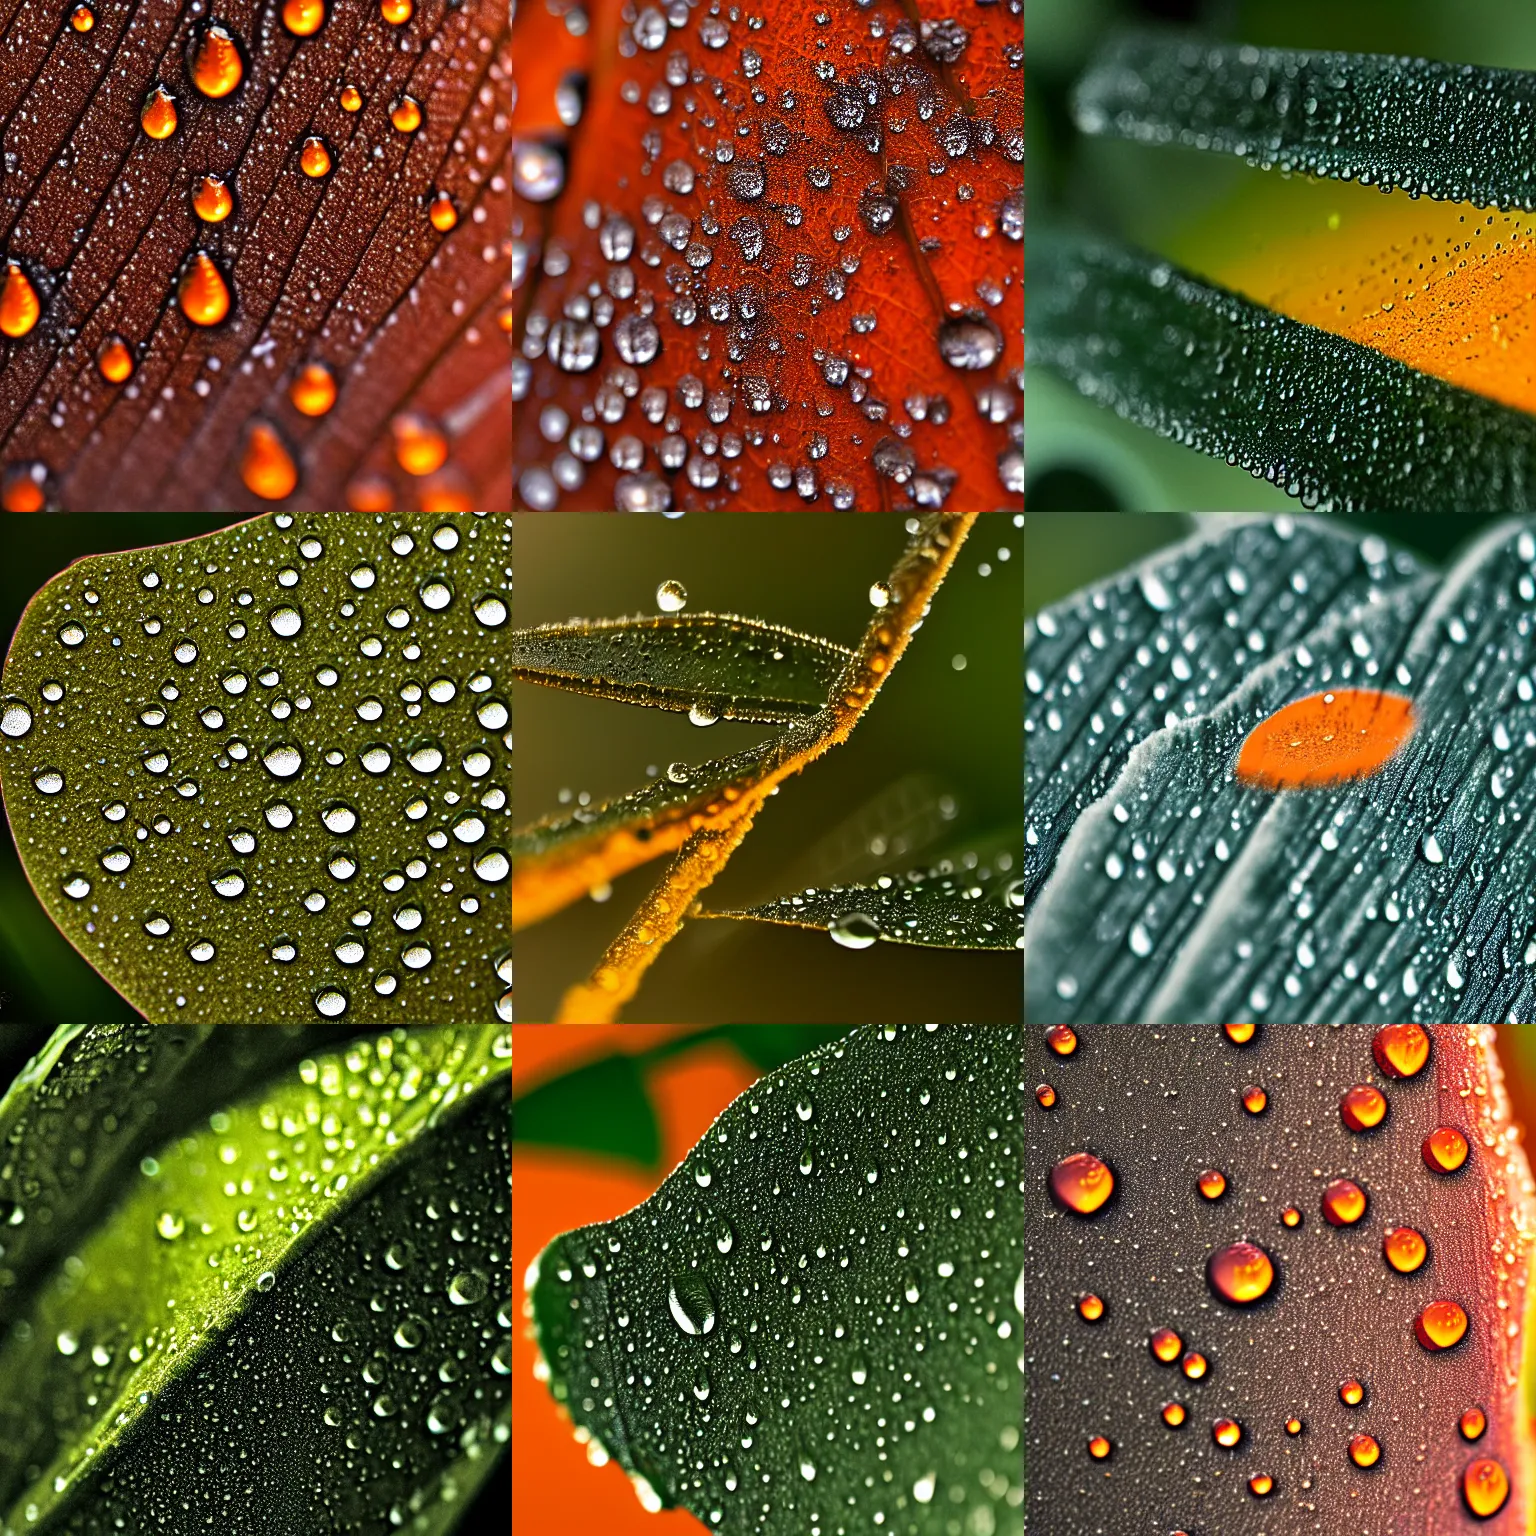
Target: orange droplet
pixel 1241 1273
pixel 216 67
pixel 303 18
pixel 442 212
pixel 1404 1249
pixel 1472 1424
pixel 420 447
pixel 315 158
pixel 1045 1096
pixel 1445 1149
pixel 1260 1485
pixel 1293 1425
pixel 1325 738
pixel 1082 1183
pixel 1343 1203
pixel 396 12
pixel 22 487
pixel 1099 1447
pixel 1213 1184
pixel 1290 1216
pixel 1485 1487
pixel 267 468
pixel 1254 1099
pixel 445 491
pixel 211 200
pixel 1364 1451
pixel 202 291
pixel 1401 1049
pixel 313 390
pixel 115 360
pixel 1240 1034
pixel 405 114
pixel 1351 1393
pixel 351 98
pixel 1173 1414
pixel 19 303
pixel 370 493
pixel 1440 1325
pixel 158 115
pixel 1090 1308
pixel 1165 1345
pixel 1194 1365
pixel 82 18
pixel 1363 1108
pixel 1226 1432
pixel 1062 1039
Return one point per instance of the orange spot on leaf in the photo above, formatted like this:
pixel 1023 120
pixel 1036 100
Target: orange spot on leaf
pixel 1326 738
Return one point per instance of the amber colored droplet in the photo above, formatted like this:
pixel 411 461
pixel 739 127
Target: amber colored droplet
pixel 1091 1308
pixel 1062 1039
pixel 315 158
pixel 1325 738
pixel 420 447
pixel 1363 1108
pixel 1240 1034
pixel 1261 1485
pixel 313 390
pixel 1165 1345
pixel 1194 1365
pixel 370 493
pixel 1404 1249
pixel 1472 1424
pixel 1351 1393
pixel 216 67
pixel 158 116
pixel 1485 1487
pixel 211 200
pixel 82 18
pixel 447 491
pixel 1241 1273
pixel 1227 1432
pixel 202 291
pixel 1364 1451
pixel 1213 1184
pixel 1290 1216
pixel 303 18
pixel 19 303
pixel 267 468
pixel 1254 1100
pixel 1045 1096
pixel 115 360
pixel 1440 1325
pixel 442 212
pixel 1343 1203
pixel 1445 1149
pixel 351 98
pixel 396 12
pixel 405 114
pixel 1099 1447
pixel 21 488
pixel 1082 1183
pixel 1173 1414
pixel 1401 1050
pixel 1293 1425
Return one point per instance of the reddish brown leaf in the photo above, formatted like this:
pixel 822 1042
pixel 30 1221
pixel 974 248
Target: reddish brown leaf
pixel 773 263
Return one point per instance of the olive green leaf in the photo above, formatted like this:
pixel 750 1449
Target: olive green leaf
pixel 826 1298
pixel 326 1252
pixel 260 776
pixel 1453 131
pixel 1340 426
pixel 714 666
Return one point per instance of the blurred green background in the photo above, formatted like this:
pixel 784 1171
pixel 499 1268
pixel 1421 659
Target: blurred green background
pixel 1186 205
pixel 962 730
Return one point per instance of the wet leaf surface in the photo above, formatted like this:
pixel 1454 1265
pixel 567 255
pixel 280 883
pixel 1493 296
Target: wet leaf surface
pixel 1161 1108
pixel 769 261
pixel 824 1255
pixel 289 1257
pixel 264 753
pixel 1184 894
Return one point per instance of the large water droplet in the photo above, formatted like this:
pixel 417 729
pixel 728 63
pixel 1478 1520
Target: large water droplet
pixel 48 781
pixel 1344 1203
pixel 286 621
pixel 282 760
pixel 1404 1249
pixel 671 597
pixel 116 859
pixel 467 1288
pixel 1082 1183
pixel 1401 1050
pixel 331 1002
pixel 1485 1487
pixel 229 883
pixel 691 1303
pixel 76 886
pixel 1445 1149
pixel 15 718
pixel 1441 1325
pixel 854 930
pixel 1363 1107
pixel 1241 1273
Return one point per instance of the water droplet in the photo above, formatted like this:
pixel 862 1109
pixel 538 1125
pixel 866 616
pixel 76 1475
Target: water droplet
pixel 1227 1433
pixel 1472 1424
pixel 405 114
pixel 1441 1325
pixel 1445 1149
pixel 1062 1039
pixel 82 18
pixel 303 18
pixel 493 865
pixel 71 635
pixel 116 859
pixel 229 883
pixel 1351 1393
pixel 313 390
pixel 637 339
pixel 1401 1050
pixel 266 1280
pixel 114 360
pixel 1082 1183
pixel 1173 1415
pixel 1099 1447
pixel 435 594
pixel 1090 1308
pixel 970 341
pixel 425 754
pixel 282 760
pixel 1261 1485
pixel 331 1002
pixel 15 718
pixel 854 930
pixel 1240 1034
pixel 1165 1345
pixel 671 597
pixel 1294 1426
pixel 1404 1249
pixel 1241 1273
pixel 1364 1451
pixel 286 621
pixel 214 62
pixel 1045 1096
pixel 1213 1184
pixel 267 467
pixel 416 957
pixel 691 1303
pixel 157 924
pixel 76 886
pixel 68 1342
pixel 48 781
pixel 1344 1203
pixel 467 1288
pixel 702 714
pixel 1363 1107
pixel 1485 1487
pixel 157 117
pixel 493 714
pixel 202 292
pixel 170 1225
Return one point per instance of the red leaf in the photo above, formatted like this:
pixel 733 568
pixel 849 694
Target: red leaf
pixel 773 263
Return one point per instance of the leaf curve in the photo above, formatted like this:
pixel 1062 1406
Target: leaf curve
pixel 777 1373
pixel 245 760
pixel 716 663
pixel 1327 420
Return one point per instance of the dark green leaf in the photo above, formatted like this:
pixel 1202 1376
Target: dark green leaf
pixel 601 1107
pixel 1453 131
pixel 826 1299
pixel 710 663
pixel 1340 426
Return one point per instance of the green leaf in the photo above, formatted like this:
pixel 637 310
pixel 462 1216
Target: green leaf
pixel 1183 895
pixel 326 1252
pixel 1340 426
pixel 1165 641
pixel 1458 132
pixel 825 1296
pixel 601 1107
pixel 262 775
pixel 713 664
